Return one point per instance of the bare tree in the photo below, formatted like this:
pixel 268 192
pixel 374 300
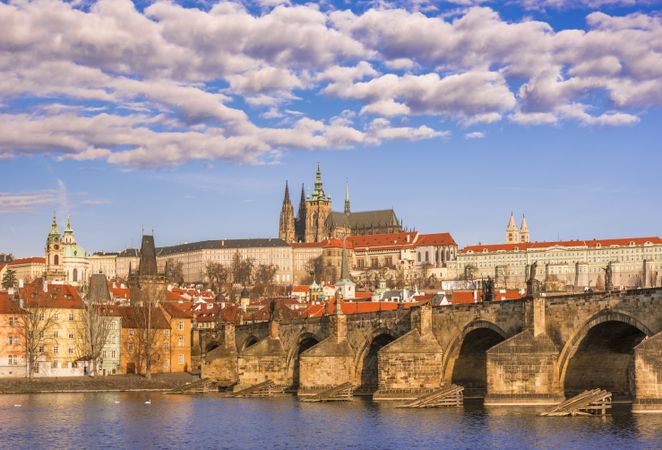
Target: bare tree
pixel 264 279
pixel 315 269
pixel 174 271
pixel 36 333
pixel 242 270
pixel 95 328
pixel 219 276
pixel 470 272
pixel 147 343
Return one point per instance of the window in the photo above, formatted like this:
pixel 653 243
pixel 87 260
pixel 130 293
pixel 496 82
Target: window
pixel 13 321
pixel 55 334
pixel 56 316
pixel 13 340
pixel 166 333
pixel 130 332
pixel 41 334
pixel 55 365
pixel 56 350
pixel 130 346
pixel 181 324
pixel 166 363
pixel 112 354
pixel 181 341
pixel 41 349
pixel 181 359
pixel 71 316
pixel 71 350
pixel 13 360
pixel 41 316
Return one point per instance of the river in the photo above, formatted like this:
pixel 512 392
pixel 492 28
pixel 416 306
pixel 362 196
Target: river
pixel 125 420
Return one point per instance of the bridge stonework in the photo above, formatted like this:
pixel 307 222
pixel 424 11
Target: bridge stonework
pixel 530 351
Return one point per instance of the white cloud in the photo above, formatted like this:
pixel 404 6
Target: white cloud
pixel 174 83
pixel 474 135
pixel 12 202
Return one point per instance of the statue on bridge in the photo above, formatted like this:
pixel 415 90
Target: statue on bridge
pixel 532 285
pixel 488 289
pixel 609 283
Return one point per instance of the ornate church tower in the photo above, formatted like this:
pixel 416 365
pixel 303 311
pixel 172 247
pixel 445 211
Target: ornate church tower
pixel 512 233
pixel 300 221
pixel 318 208
pixel 54 253
pixel 286 226
pixel 524 230
pixel 348 210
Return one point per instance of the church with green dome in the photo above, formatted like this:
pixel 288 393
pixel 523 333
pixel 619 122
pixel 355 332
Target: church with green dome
pixel 66 261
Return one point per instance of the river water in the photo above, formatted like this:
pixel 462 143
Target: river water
pixel 124 420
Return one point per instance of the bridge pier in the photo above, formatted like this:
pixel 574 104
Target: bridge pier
pixel 220 364
pixel 522 370
pixel 329 363
pixel 266 360
pixel 648 375
pixel 412 364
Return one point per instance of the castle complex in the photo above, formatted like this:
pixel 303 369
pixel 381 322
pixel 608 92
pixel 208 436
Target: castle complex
pixel 316 222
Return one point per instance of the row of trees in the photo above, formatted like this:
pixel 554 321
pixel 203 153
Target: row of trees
pixel 242 272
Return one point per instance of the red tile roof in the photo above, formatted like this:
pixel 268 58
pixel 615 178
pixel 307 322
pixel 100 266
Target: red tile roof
pixel 384 241
pixel 58 296
pixel 32 260
pixel 9 306
pixel 177 310
pixel 624 242
pixel 306 245
pixel 136 317
pixel 435 239
pixel 301 288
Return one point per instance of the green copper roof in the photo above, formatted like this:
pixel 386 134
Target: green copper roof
pixel 54 229
pixel 318 192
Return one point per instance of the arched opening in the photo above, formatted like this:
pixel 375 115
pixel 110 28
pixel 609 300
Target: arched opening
pixel 370 366
pixel 470 368
pixel 211 346
pixel 56 260
pixel 604 358
pixel 249 342
pixel 305 343
pixel 75 275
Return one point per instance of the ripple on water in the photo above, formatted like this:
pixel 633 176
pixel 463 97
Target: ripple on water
pixel 124 420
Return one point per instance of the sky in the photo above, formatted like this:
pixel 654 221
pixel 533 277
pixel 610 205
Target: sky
pixel 187 118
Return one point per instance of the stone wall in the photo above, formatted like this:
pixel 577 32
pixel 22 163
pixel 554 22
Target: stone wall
pixel 648 375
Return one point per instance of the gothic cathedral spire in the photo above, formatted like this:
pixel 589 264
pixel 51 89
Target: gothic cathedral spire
pixel 286 229
pixel 347 208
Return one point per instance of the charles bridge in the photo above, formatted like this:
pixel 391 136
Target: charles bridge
pixel 536 350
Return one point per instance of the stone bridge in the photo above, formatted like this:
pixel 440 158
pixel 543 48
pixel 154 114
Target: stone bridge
pixel 530 351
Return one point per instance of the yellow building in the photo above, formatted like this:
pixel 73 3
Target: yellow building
pixel 180 337
pixel 57 330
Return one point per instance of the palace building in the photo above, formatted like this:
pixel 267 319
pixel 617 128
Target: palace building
pixel 316 221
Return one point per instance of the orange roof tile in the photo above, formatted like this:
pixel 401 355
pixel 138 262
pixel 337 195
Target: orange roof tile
pixel 483 248
pixel 58 296
pixel 31 260
pixel 9 306
pixel 435 239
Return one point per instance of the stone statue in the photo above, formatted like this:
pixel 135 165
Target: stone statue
pixel 272 310
pixel 609 285
pixel 488 290
pixel 532 271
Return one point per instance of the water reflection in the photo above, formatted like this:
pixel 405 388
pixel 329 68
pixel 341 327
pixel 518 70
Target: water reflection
pixel 124 420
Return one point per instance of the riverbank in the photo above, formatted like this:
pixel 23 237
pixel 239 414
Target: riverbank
pixel 112 383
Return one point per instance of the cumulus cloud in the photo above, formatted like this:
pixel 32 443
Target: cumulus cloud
pixel 173 83
pixel 474 135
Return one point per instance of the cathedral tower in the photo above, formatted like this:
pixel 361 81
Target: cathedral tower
pixel 524 230
pixel 300 221
pixel 286 229
pixel 512 233
pixel 318 208
pixel 54 253
pixel 348 210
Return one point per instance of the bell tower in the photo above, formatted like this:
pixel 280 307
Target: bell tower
pixel 524 230
pixel 512 233
pixel 54 253
pixel 318 208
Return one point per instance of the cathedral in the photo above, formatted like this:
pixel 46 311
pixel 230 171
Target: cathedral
pixel 515 235
pixel 316 221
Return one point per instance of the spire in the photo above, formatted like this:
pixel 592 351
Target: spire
pixel 147 257
pixel 524 226
pixel 347 208
pixel 286 198
pixel 54 229
pixel 511 222
pixel 68 229
pixel 524 230
pixel 318 192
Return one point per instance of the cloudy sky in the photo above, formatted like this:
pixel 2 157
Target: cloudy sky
pixel 188 117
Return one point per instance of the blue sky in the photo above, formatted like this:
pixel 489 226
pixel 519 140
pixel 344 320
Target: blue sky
pixel 454 114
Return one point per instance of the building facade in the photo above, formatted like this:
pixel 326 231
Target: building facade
pixel 567 265
pixel 12 345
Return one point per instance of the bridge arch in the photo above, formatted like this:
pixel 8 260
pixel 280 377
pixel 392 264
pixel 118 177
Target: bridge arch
pixel 366 362
pixel 465 361
pixel 303 342
pixel 211 346
pixel 248 342
pixel 600 354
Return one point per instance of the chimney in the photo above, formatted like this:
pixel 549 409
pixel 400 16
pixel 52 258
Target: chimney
pixel 20 283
